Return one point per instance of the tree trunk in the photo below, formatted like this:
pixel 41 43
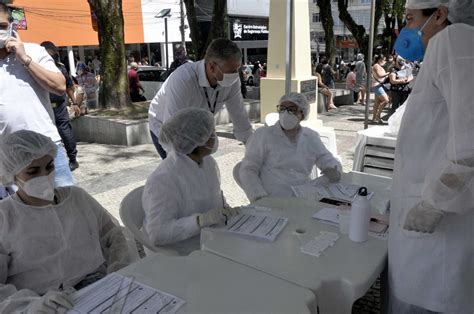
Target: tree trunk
pixel 114 92
pixel 359 31
pixel 327 21
pixel 218 26
pixel 197 40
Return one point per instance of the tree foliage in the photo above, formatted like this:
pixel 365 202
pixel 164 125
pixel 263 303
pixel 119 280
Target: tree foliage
pixel 200 41
pixel 393 13
pixel 114 90
pixel 327 21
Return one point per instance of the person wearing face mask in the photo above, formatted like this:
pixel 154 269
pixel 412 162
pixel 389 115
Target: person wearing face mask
pixel 52 240
pixel 28 75
pixel 183 194
pixel 283 155
pixel 210 84
pixel 180 58
pixel 59 104
pixel 381 98
pixel 430 245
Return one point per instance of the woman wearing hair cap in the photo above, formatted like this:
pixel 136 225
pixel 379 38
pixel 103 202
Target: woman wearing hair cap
pixel 431 247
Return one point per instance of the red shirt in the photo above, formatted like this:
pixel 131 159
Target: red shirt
pixel 133 81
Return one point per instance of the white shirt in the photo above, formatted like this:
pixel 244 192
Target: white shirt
pixel 434 162
pixel 44 247
pixel 175 193
pixel 24 104
pixel 187 87
pixel 273 163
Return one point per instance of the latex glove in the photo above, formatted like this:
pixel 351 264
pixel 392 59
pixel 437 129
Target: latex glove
pixel 211 217
pixel 52 302
pixel 333 174
pixel 423 218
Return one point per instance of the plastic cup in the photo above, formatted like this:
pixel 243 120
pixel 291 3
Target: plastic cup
pixel 344 220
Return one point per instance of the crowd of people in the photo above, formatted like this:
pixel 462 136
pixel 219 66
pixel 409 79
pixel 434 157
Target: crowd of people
pixel 56 238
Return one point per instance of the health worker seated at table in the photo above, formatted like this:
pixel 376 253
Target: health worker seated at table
pixel 281 156
pixel 51 239
pixel 183 194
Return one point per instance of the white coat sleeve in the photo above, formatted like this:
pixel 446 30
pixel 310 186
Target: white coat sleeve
pixel 112 241
pixel 251 166
pixel 11 299
pixel 324 159
pixel 161 201
pixel 450 188
pixel 240 118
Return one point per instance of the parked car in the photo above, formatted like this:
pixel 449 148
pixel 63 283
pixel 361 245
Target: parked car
pixel 248 76
pixel 151 78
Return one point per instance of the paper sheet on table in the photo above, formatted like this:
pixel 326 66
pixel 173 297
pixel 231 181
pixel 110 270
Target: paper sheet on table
pixel 256 226
pixel 315 190
pixel 330 216
pixel 119 294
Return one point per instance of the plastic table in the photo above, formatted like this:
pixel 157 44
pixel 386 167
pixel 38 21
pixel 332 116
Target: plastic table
pixel 341 275
pixel 212 284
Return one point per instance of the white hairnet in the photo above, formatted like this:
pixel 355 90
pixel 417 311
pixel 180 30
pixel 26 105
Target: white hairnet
pixel 425 4
pixel 298 99
pixel 19 149
pixel 461 11
pixel 188 129
pixel 360 57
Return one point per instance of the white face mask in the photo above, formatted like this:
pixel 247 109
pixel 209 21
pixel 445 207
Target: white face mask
pixel 229 78
pixel 216 145
pixel 288 121
pixel 4 34
pixel 40 187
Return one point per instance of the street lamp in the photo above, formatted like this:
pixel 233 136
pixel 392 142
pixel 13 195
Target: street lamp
pixel 165 14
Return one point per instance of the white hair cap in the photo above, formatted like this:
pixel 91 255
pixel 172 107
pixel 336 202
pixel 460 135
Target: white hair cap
pixel 425 4
pixel 461 11
pixel 360 57
pixel 188 129
pixel 19 149
pixel 298 99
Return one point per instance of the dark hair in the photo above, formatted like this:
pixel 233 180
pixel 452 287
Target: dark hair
pixel 48 45
pixel 6 10
pixel 377 58
pixel 352 67
pixel 428 12
pixel 324 60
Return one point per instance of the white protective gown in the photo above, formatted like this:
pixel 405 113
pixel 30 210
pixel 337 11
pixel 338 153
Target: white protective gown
pixel 175 193
pixel 434 162
pixel 272 163
pixel 44 247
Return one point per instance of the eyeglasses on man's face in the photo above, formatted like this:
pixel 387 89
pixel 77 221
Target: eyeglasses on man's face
pixel 293 109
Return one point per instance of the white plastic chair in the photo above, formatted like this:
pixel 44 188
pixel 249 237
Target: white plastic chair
pixel 132 215
pixel 236 174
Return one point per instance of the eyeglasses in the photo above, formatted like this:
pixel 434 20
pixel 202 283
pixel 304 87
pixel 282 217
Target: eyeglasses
pixel 291 110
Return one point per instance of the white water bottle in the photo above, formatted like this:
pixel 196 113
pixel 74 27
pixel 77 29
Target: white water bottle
pixel 360 217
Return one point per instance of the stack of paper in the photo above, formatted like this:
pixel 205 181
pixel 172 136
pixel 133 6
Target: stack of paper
pixel 256 226
pixel 316 246
pixel 316 190
pixel 378 226
pixel 119 294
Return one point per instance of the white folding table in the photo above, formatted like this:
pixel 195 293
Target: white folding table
pixel 341 275
pixel 212 284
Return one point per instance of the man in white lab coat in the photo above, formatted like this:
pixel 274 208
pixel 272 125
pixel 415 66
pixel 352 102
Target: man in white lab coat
pixel 210 84
pixel 431 247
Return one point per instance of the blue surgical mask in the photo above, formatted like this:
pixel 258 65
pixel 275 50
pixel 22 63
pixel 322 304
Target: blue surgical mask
pixel 409 44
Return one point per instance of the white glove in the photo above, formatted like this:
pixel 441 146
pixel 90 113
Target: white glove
pixel 333 174
pixel 211 217
pixel 423 218
pixel 51 302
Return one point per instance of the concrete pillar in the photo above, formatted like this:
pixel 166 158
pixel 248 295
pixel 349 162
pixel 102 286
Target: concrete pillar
pixel 72 63
pixel 245 56
pixel 273 86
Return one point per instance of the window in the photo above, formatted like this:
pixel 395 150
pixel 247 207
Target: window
pixel 316 18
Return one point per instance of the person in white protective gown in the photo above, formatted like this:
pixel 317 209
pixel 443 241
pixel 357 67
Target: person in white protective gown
pixel 50 238
pixel 183 194
pixel 431 247
pixel 283 155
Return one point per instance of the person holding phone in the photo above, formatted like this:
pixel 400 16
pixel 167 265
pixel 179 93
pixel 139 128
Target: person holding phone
pixel 29 75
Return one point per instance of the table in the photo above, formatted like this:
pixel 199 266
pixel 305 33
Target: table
pixel 211 284
pixel 375 151
pixel 341 275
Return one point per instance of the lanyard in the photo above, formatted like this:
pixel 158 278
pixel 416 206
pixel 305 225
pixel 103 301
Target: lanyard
pixel 213 109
